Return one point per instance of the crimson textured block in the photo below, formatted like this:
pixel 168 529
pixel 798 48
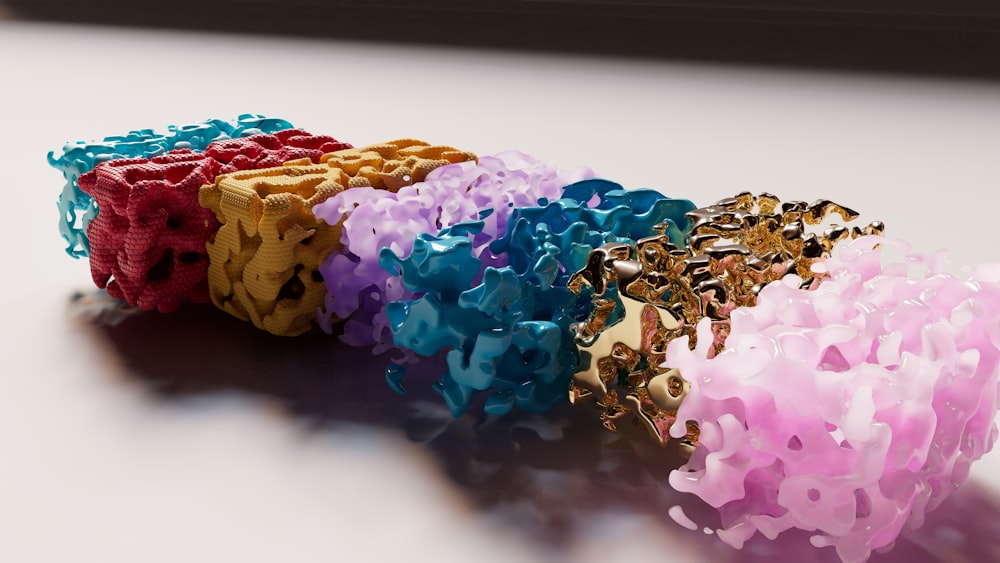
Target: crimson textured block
pixel 267 151
pixel 264 260
pixel 148 243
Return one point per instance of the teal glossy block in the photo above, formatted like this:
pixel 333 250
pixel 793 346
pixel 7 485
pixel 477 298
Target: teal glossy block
pixel 506 330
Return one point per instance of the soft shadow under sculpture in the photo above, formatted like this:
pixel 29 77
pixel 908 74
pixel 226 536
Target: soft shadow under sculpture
pixel 544 475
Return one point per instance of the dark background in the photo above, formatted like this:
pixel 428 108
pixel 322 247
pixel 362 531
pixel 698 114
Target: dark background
pixel 937 37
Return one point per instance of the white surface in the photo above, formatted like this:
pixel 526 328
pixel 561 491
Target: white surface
pixel 97 465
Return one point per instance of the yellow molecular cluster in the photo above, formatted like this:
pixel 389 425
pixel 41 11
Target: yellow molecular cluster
pixel 264 260
pixel 394 164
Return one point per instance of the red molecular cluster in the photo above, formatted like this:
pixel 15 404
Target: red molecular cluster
pixel 268 151
pixel 148 239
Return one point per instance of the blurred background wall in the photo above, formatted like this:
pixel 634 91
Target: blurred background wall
pixel 942 37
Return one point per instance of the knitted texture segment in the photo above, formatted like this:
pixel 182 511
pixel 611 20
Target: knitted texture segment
pixel 264 259
pixel 393 164
pixel 268 151
pixel 148 246
pixel 148 242
pixel 77 208
pixel 374 219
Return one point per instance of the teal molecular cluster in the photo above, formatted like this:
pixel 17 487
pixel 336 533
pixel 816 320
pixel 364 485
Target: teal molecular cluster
pixel 77 209
pixel 505 331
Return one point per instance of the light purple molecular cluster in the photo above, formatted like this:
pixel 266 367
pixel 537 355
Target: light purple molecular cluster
pixel 849 410
pixel 486 190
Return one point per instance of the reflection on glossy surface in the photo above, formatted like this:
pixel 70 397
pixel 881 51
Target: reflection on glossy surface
pixel 565 489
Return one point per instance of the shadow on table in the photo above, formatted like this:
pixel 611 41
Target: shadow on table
pixel 549 477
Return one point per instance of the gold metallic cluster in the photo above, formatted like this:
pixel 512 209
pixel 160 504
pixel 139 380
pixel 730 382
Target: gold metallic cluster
pixel 735 247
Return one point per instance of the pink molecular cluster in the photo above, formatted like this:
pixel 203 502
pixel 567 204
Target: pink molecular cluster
pixel 373 219
pixel 849 410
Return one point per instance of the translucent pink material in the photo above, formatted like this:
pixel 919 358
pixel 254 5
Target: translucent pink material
pixel 849 410
pixel 372 219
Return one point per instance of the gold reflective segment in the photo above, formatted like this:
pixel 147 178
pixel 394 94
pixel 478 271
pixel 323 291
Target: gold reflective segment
pixel 735 247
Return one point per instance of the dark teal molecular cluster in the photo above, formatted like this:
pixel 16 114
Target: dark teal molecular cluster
pixel 77 209
pixel 506 330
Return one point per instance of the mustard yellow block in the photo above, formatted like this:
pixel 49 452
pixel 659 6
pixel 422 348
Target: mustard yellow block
pixel 393 164
pixel 264 259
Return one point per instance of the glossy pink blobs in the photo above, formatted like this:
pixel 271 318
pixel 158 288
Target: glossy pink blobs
pixel 849 410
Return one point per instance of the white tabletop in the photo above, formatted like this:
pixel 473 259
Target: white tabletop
pixel 193 437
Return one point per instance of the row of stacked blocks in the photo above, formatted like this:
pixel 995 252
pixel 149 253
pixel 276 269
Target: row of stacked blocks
pixel 234 224
pixel 896 361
